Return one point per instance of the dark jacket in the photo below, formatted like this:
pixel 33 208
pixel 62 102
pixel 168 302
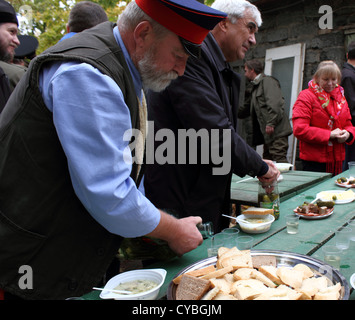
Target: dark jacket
pixel 268 109
pixel 348 83
pixel 204 98
pixel 42 222
pixel 4 89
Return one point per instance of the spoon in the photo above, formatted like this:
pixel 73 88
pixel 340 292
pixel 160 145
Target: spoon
pixel 114 291
pixel 224 215
pixel 235 218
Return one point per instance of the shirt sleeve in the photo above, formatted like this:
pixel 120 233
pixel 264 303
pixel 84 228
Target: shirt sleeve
pixel 91 118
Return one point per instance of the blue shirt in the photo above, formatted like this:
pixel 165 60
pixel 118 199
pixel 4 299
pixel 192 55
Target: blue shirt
pixel 91 117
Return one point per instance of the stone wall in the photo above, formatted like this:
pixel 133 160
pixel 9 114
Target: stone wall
pixel 290 22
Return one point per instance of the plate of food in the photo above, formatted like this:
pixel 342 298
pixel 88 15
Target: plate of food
pixel 345 182
pixel 258 275
pixel 315 211
pixel 338 196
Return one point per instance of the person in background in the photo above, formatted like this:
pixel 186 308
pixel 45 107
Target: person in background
pixel 68 176
pixel 8 43
pixel 271 126
pixel 84 15
pixel 26 51
pixel 348 83
pixel 206 98
pixel 5 91
pixel 322 121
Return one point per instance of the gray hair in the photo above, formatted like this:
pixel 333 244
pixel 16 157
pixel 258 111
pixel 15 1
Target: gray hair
pixel 236 9
pixel 133 15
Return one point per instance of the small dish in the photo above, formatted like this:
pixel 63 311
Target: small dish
pixel 250 227
pixel 156 275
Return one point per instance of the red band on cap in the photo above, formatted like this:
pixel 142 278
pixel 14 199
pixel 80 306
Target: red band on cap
pixel 173 21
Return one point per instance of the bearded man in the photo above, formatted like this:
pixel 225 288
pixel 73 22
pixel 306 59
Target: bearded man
pixel 8 43
pixel 68 194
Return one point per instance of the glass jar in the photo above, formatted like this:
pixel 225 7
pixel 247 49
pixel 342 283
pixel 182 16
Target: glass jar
pixel 268 197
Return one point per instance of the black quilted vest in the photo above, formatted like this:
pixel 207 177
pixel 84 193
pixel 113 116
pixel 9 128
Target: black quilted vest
pixel 42 222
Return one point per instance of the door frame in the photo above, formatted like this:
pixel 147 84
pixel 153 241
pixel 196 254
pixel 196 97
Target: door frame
pixel 297 51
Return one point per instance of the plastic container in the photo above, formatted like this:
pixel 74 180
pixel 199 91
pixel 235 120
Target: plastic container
pixel 156 275
pixel 249 227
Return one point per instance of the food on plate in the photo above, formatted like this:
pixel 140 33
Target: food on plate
pixel 318 208
pixel 335 195
pixel 236 277
pixel 192 288
pixel 256 211
pixel 346 181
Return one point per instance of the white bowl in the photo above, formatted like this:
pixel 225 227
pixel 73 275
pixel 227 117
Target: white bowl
pixel 261 227
pixel 156 275
pixel 352 280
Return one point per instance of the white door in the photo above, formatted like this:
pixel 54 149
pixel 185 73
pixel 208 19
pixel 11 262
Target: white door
pixel 286 64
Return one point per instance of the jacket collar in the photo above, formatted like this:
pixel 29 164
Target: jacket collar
pixel 257 79
pixel 349 66
pixel 217 54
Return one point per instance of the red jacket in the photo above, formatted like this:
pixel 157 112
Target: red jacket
pixel 310 126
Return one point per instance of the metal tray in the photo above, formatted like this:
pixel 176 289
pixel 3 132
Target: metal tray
pixel 283 259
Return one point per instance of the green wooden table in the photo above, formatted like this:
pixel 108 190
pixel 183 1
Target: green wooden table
pixel 312 236
pixel 245 190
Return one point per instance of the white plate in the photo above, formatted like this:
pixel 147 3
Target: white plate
pixel 284 167
pixel 324 196
pixel 352 280
pixel 345 184
pixel 314 216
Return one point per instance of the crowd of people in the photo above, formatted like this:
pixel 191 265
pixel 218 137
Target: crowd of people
pixel 73 182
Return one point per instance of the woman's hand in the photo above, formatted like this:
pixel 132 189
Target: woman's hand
pixel 340 135
pixel 343 136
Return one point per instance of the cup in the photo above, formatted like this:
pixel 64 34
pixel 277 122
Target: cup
pixel 351 225
pixel 230 236
pixel 216 242
pixel 231 231
pixel 342 238
pixel 206 229
pixel 244 242
pixel 351 169
pixel 292 222
pixel 332 255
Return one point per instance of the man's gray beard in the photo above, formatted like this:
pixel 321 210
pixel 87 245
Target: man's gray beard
pixel 4 54
pixel 153 78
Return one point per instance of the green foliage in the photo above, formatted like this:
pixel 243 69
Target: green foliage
pixel 46 19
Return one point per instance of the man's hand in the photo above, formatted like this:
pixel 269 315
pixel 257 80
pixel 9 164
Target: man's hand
pixel 272 174
pixel 269 130
pixel 182 235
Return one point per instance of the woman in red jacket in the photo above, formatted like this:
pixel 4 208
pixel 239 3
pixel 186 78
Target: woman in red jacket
pixel 322 121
